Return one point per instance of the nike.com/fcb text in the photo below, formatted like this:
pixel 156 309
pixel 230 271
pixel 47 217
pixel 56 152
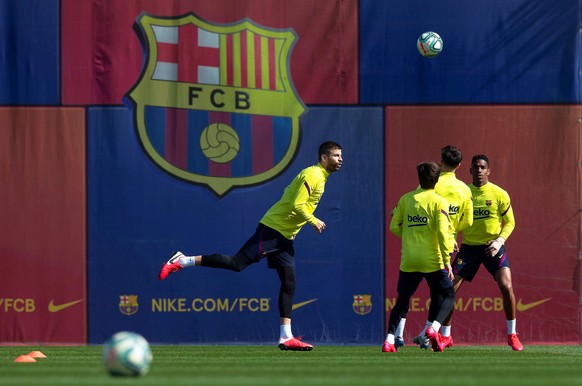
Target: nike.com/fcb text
pixel 472 304
pixel 211 305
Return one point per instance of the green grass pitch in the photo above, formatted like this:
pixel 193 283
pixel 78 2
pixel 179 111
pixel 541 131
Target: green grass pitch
pixel 325 365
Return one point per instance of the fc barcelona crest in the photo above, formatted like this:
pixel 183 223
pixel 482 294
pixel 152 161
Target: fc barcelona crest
pixel 362 304
pixel 215 104
pixel 128 304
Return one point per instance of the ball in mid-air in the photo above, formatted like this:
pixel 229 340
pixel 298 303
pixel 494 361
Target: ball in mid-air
pixel 127 353
pixel 219 143
pixel 429 44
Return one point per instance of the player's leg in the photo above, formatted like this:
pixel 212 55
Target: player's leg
pixel 281 257
pixel 421 338
pixel 445 331
pixel 445 302
pixel 396 314
pixel 458 282
pixel 442 302
pixel 178 261
pixel 255 248
pixel 286 293
pixel 465 265
pixel 285 301
pixel 399 334
pixel 498 267
pixel 234 263
pixel 407 285
pixel 504 282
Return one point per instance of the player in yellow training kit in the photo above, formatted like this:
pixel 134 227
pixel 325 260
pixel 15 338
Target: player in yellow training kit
pixel 458 194
pixel 421 220
pixel 275 235
pixel 483 242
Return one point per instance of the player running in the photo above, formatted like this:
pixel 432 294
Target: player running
pixel 274 237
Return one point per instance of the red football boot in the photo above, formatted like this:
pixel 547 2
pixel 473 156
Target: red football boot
pixel 294 344
pixel 447 340
pixel 514 342
pixel 171 266
pixel 434 337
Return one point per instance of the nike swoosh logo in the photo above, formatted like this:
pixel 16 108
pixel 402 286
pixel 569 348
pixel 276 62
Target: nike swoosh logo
pixel 59 307
pixel 524 307
pixel 298 305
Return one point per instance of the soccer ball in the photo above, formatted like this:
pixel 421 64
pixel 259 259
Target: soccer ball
pixel 127 353
pixel 429 44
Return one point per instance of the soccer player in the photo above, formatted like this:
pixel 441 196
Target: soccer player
pixel 484 242
pixel 274 237
pixel 421 220
pixel 458 194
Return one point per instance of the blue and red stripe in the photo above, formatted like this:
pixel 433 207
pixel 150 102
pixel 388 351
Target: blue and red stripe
pixel 175 135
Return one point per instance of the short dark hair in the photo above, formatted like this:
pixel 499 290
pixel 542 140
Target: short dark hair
pixel 327 147
pixel 478 157
pixel 451 156
pixel 428 174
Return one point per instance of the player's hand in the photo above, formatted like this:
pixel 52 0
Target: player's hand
pixel 456 247
pixel 449 269
pixel 319 226
pixel 494 246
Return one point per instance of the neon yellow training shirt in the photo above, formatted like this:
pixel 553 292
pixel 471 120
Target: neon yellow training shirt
pixel 421 220
pixel 492 215
pixel 458 194
pixel 299 201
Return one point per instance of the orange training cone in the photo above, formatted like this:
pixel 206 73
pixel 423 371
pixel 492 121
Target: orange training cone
pixel 25 358
pixel 36 354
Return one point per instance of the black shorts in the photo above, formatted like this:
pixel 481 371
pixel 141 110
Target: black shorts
pixel 470 258
pixel 437 281
pixel 267 242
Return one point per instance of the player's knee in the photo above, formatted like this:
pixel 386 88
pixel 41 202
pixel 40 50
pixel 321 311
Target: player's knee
pixel 288 285
pixel 288 288
pixel 505 285
pixel 506 288
pixel 238 263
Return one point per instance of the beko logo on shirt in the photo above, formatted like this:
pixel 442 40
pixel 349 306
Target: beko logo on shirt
pixel 480 213
pixel 417 220
pixel 453 209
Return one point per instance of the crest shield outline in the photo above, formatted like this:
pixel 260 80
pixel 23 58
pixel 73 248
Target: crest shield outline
pixel 362 304
pixel 128 304
pixel 249 86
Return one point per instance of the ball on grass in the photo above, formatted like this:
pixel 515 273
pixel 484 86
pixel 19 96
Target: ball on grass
pixel 127 353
